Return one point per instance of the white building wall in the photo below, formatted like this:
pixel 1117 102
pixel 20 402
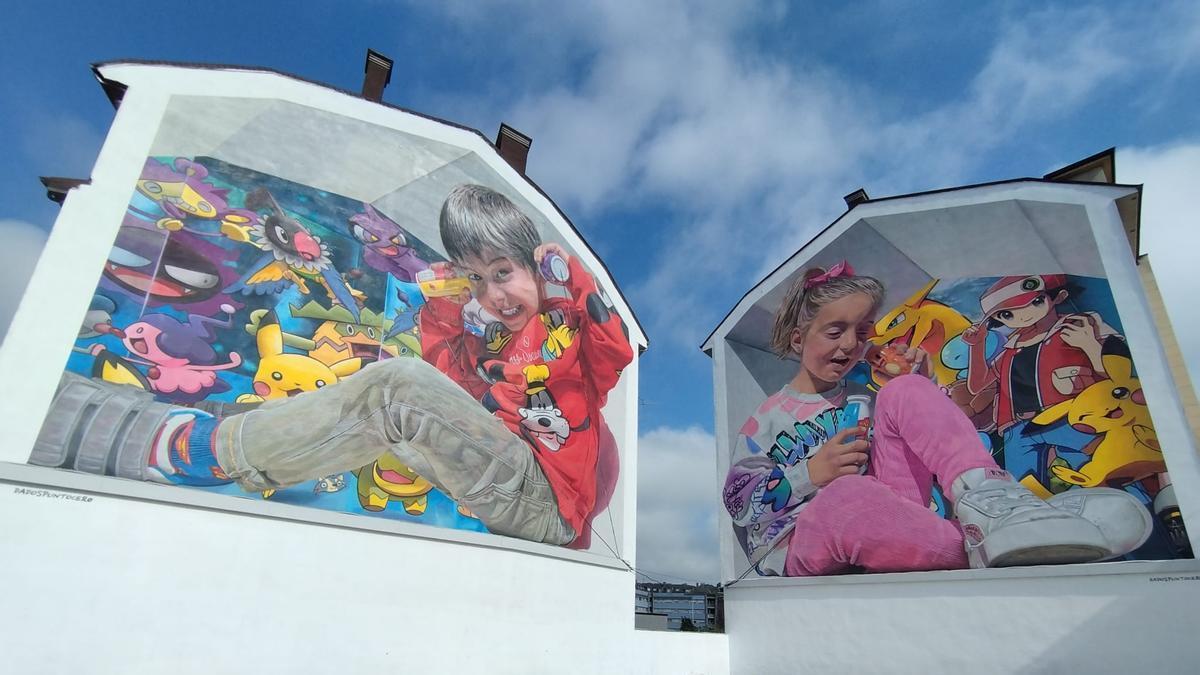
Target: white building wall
pixel 113 585
pixel 667 653
pixel 1105 618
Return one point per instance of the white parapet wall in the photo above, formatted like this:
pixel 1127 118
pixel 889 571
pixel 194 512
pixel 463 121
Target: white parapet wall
pixel 673 653
pixel 102 584
pixel 1101 618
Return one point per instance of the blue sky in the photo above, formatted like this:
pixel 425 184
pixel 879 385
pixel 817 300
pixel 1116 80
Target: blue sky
pixel 694 145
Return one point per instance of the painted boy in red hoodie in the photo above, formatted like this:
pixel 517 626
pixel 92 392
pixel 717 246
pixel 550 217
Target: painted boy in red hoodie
pixel 545 365
pixel 509 427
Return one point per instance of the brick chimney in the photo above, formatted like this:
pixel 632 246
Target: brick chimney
pixel 513 146
pixel 378 73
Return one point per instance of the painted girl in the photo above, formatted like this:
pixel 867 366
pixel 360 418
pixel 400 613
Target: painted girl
pixel 809 495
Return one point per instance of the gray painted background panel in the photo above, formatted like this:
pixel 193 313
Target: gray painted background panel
pixel 291 141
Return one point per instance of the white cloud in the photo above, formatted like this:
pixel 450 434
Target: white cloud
pixel 1039 69
pixel 1171 232
pixel 673 110
pixel 677 505
pixel 663 109
pixel 22 246
pixel 676 105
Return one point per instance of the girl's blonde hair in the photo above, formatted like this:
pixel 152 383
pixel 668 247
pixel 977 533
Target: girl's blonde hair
pixel 800 306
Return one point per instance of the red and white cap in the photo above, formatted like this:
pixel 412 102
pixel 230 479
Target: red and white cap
pixel 1014 292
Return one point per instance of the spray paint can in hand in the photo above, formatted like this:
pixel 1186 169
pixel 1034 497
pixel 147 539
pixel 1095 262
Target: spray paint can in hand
pixel 858 413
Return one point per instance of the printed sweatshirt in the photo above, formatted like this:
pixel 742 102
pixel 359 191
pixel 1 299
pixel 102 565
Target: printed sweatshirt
pixel 768 482
pixel 547 382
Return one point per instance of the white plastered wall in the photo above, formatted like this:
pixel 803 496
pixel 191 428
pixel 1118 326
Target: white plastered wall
pixel 1075 619
pixel 146 578
pixel 1087 618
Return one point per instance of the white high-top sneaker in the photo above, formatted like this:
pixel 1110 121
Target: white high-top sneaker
pixel 1123 519
pixel 1004 525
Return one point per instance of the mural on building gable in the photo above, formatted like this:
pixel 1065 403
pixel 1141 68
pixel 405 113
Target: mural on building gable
pixel 1037 363
pixel 229 292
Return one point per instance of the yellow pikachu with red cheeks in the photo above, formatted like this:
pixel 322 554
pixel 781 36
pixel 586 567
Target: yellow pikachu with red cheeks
pixel 281 374
pixel 1126 448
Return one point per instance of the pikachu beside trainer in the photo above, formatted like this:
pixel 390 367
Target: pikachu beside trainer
pixel 1115 409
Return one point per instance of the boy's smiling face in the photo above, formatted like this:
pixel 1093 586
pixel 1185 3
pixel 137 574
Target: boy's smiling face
pixel 505 288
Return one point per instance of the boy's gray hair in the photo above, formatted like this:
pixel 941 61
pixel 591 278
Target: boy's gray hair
pixel 800 306
pixel 476 219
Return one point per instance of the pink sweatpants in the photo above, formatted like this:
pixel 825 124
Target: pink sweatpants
pixel 882 521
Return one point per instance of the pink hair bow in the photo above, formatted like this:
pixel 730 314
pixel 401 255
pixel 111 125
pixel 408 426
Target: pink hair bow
pixel 842 269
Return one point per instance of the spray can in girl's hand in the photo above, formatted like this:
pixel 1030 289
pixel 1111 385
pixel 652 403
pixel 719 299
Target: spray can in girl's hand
pixel 860 404
pixel 857 412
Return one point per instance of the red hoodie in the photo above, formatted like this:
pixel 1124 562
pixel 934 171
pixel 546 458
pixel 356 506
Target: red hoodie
pixel 547 382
